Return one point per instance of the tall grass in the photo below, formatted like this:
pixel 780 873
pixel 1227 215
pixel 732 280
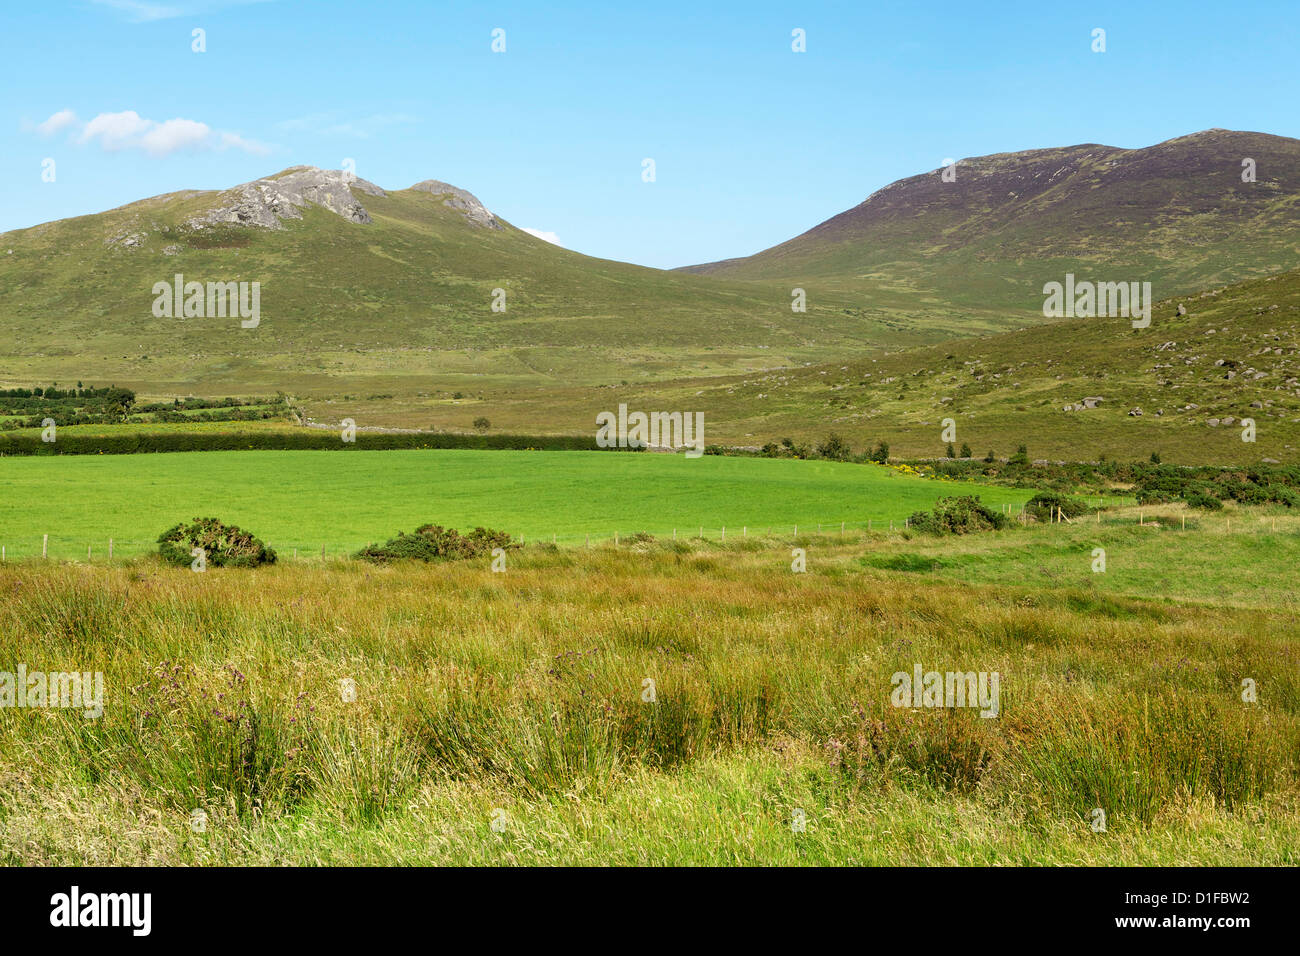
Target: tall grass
pixel 530 688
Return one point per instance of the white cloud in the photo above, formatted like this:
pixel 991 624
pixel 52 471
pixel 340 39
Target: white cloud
pixel 116 130
pixel 142 11
pixel 174 134
pixel 129 130
pixel 57 122
pixel 550 237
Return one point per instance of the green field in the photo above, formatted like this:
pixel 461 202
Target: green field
pixel 343 500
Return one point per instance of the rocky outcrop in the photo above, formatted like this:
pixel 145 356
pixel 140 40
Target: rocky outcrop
pixel 1091 401
pixel 474 211
pixel 266 203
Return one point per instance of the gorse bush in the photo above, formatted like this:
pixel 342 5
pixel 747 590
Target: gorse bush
pixel 1044 506
pixel 957 515
pixel 223 545
pixel 433 542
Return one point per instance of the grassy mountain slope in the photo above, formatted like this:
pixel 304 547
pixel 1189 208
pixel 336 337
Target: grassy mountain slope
pixel 1177 214
pixel 1234 354
pixel 397 304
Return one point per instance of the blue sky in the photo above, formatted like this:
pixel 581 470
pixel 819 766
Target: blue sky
pixel 752 142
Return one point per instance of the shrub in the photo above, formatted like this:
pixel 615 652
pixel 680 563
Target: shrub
pixel 223 545
pixel 957 515
pixel 1198 499
pixel 433 542
pixel 834 448
pixel 1043 506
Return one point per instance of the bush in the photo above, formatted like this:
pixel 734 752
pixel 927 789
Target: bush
pixel 834 448
pixel 223 545
pixel 958 515
pixel 1207 502
pixel 1043 506
pixel 433 542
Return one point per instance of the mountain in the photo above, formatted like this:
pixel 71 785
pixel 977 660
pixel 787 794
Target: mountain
pixel 1177 214
pixel 363 288
pixel 1077 389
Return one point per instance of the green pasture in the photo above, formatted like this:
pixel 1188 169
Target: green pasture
pixel 343 500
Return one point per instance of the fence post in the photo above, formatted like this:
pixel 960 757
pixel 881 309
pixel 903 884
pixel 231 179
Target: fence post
pixel 87 552
pixel 45 545
pixel 744 531
pixel 322 552
pixel 724 534
pixel 615 539
pixel 110 549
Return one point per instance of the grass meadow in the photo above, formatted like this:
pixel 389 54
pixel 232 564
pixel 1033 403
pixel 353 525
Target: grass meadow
pixel 519 698
pixel 344 500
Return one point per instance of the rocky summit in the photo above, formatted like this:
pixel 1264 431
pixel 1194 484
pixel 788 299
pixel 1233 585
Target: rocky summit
pixel 268 202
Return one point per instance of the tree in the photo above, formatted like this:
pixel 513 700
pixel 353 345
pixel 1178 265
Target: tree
pixel 952 452
pixel 989 457
pixel 482 424
pixel 1021 456
pixel 965 451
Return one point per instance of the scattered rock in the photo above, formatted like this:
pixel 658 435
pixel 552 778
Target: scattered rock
pixel 1135 413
